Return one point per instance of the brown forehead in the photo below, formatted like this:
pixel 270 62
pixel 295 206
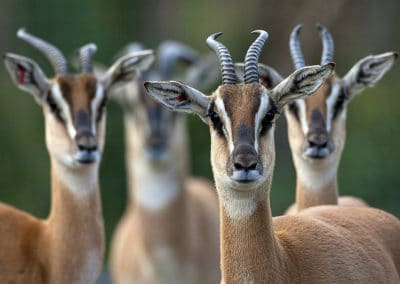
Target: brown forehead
pixel 318 99
pixel 78 90
pixel 241 103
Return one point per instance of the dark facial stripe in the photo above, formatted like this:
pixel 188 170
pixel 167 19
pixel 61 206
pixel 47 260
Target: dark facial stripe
pixel 339 104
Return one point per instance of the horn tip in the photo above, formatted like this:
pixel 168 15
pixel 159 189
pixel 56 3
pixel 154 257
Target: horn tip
pixel 214 36
pixel 320 27
pixel 297 29
pixel 395 55
pixel 21 32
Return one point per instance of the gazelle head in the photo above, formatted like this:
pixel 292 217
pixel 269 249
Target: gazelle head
pixel 316 124
pixel 160 134
pixel 240 116
pixel 73 104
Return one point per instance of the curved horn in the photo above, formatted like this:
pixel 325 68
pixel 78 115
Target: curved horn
pixel 295 49
pixel 85 57
pixel 327 44
pixel 54 55
pixel 225 59
pixel 169 53
pixel 252 55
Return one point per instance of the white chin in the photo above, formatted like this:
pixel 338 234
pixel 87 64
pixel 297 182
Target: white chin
pixel 246 176
pixel 316 153
pixel 87 157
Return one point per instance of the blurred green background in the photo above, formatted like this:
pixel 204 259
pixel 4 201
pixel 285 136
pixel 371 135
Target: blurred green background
pixel 369 167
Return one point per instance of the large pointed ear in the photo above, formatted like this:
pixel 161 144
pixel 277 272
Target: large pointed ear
pixel 127 68
pixel 27 75
pixel 367 72
pixel 303 82
pixel 204 73
pixel 269 77
pixel 178 97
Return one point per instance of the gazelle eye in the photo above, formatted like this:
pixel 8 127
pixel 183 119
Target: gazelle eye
pixel 338 107
pixel 216 121
pixel 266 123
pixel 54 108
pixel 293 109
pixel 100 109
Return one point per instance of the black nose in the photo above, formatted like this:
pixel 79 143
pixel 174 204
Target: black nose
pixel 86 141
pixel 317 139
pixel 245 157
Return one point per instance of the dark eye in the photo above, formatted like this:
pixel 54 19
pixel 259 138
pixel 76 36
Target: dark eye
pixel 216 121
pixel 54 108
pixel 293 109
pixel 338 107
pixel 266 123
pixel 100 109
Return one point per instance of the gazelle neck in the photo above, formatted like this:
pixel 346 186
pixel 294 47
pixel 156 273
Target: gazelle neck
pixel 75 223
pixel 316 183
pixel 250 252
pixel 155 185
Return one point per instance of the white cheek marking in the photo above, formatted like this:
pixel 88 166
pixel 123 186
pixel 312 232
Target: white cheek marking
pixel 330 102
pixel 262 109
pixel 226 121
pixel 95 105
pixel 302 115
pixel 64 109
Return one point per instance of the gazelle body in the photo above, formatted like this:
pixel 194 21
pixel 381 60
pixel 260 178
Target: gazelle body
pixel 317 125
pixel 324 244
pixel 68 246
pixel 169 231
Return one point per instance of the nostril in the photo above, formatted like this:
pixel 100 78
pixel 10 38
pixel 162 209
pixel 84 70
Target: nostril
pixel 86 143
pixel 238 166
pixel 87 148
pixel 252 166
pixel 245 165
pixel 317 140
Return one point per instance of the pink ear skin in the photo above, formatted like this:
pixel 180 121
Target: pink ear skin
pixel 181 98
pixel 22 72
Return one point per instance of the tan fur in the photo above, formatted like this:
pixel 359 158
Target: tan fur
pixel 324 244
pixel 68 246
pixel 177 243
pixel 326 192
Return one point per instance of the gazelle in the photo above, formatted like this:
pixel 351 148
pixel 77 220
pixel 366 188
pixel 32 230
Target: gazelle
pixel 68 246
pixel 324 244
pixel 169 231
pixel 317 124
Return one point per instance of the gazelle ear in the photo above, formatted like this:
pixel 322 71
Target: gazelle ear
pixel 204 73
pixel 127 68
pixel 27 75
pixel 367 72
pixel 269 77
pixel 303 82
pixel 178 97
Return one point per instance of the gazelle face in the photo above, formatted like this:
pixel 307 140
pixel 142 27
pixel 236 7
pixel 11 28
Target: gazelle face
pixel 316 124
pixel 156 128
pixel 241 119
pixel 74 109
pixel 73 105
pixel 241 124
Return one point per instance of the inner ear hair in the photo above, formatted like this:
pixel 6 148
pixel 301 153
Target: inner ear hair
pixel 27 75
pixel 303 82
pixel 368 71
